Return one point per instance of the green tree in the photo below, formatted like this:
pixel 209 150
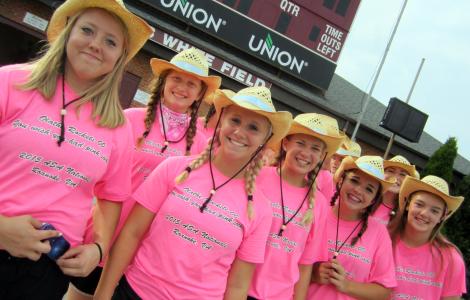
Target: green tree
pixel 441 163
pixel 458 226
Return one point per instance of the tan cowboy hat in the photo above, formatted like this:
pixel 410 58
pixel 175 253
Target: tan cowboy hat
pixel 370 165
pixel 192 62
pixel 139 30
pixel 320 126
pixel 349 148
pixel 401 162
pixel 431 184
pixel 258 100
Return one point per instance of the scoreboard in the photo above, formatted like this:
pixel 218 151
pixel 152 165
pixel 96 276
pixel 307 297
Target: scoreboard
pixel 302 38
pixel 319 25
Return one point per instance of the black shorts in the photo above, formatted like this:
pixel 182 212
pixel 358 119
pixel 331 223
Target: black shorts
pixel 21 278
pixel 124 291
pixel 87 284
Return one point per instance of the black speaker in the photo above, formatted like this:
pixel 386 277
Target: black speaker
pixel 404 120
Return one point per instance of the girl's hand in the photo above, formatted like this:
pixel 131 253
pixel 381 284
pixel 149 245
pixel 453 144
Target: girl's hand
pixel 80 261
pixel 338 276
pixel 324 272
pixel 20 236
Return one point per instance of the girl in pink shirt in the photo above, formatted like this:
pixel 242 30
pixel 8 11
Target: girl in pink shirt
pixel 198 227
pixel 396 169
pixel 167 127
pixel 291 188
pixel 64 140
pixel 360 264
pixel 348 148
pixel 428 266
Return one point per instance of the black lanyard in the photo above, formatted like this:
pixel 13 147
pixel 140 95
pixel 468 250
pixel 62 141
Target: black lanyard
pixel 63 112
pixel 336 253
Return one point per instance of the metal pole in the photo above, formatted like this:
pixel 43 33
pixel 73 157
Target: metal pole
pixel 361 115
pixel 392 138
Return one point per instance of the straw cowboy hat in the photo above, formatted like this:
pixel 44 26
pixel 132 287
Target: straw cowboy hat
pixel 320 126
pixel 401 162
pixel 349 148
pixel 258 100
pixel 431 184
pixel 139 30
pixel 370 165
pixel 192 62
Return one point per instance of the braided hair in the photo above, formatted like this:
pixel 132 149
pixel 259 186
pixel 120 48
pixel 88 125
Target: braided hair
pixel 209 114
pixel 155 98
pixel 365 215
pixel 251 170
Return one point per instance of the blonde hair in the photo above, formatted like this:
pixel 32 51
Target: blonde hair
pixel 252 169
pixel 311 182
pixel 104 94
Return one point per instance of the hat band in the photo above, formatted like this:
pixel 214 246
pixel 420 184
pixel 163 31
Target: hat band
pixel 189 67
pixel 345 152
pixel 253 100
pixel 317 130
pixel 370 169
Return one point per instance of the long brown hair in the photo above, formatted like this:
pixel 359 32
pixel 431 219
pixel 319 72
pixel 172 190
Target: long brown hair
pixel 157 93
pixel 104 94
pixel 366 213
pixel 437 239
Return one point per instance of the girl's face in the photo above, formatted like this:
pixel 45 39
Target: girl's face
pixel 303 153
pixel 399 174
pixel 180 91
pixel 425 211
pixel 242 132
pixel 335 162
pixel 358 190
pixel 95 44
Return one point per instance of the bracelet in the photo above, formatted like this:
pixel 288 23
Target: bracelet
pixel 100 250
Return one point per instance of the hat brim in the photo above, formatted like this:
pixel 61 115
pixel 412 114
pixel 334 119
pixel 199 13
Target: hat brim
pixel 410 169
pixel 332 142
pixel 138 30
pixel 349 163
pixel 343 152
pixel 411 185
pixel 212 82
pixel 280 121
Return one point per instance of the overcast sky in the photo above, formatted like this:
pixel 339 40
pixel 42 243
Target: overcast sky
pixel 438 31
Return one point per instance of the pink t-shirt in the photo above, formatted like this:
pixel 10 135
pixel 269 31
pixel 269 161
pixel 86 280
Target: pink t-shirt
pixel 208 132
pixel 148 157
pixel 370 260
pixel 325 184
pixel 57 184
pixel 421 276
pixel 187 254
pixel 382 214
pixel 276 277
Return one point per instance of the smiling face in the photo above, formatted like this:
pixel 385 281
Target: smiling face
pixel 358 191
pixel 303 153
pixel 181 90
pixel 425 211
pixel 242 132
pixel 94 46
pixel 399 174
